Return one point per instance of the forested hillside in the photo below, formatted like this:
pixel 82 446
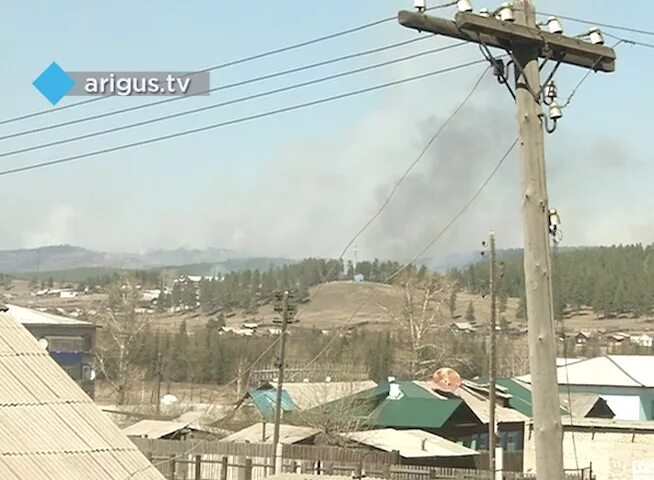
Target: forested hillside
pixel 248 289
pixel 617 280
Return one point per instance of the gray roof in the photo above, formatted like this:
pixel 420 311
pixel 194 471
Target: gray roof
pixel 480 405
pixel 307 395
pixel 49 428
pixel 580 403
pixel 410 443
pixel 154 428
pixel 28 316
pixel 288 434
pixel 608 370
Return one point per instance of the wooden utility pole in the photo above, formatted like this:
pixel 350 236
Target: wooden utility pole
pixel 492 430
pixel 287 310
pixel 157 396
pixel 525 43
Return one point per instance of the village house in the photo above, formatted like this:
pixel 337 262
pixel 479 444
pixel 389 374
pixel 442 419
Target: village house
pixel 70 342
pixel 463 328
pixel 405 405
pixel 626 382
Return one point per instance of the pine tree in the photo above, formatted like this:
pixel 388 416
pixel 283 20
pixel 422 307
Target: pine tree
pixel 452 303
pixel 470 313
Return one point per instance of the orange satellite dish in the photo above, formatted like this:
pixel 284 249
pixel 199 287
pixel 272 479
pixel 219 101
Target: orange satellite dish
pixel 446 380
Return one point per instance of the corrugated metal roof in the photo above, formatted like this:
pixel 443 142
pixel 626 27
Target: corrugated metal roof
pixel 308 395
pixel 480 405
pixel 288 434
pixel 411 443
pixel 416 408
pixel 27 316
pixel 580 404
pixel 608 370
pixel 154 428
pixel 265 401
pixel 50 429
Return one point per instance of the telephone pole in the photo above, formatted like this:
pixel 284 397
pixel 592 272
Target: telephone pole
pixel 287 311
pixel 513 28
pixel 492 430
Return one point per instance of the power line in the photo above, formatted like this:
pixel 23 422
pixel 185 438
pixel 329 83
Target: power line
pixel 426 248
pixel 585 77
pixel 353 93
pixel 629 41
pixel 222 87
pixel 231 63
pixel 414 163
pixel 599 24
pixel 229 102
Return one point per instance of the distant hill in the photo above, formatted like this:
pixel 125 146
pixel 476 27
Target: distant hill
pixel 184 256
pixel 68 257
pixel 234 265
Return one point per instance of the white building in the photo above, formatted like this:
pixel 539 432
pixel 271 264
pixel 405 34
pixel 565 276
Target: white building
pixel 626 382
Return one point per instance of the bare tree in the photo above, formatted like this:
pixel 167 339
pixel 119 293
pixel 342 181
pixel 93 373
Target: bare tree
pixel 121 339
pixel 421 319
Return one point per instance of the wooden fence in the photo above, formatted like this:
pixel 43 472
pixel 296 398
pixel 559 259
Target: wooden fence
pixel 200 460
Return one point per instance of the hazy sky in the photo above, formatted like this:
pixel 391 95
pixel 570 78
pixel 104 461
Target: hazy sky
pixel 303 182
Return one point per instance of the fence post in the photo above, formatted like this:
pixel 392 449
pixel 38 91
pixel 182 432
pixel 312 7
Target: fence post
pixel 248 469
pixel 223 468
pixel 198 467
pixel 172 468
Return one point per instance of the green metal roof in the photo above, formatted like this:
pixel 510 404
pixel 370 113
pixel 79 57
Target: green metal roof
pixel 416 408
pixel 520 396
pixel 265 401
pixel 413 412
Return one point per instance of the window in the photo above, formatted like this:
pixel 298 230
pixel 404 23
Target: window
pixel 512 441
pixel 66 344
pixel 478 441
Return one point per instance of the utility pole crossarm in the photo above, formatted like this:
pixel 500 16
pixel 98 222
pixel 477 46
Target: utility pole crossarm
pixel 441 26
pixel 495 33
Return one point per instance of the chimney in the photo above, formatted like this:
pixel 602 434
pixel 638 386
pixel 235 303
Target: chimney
pixel 394 391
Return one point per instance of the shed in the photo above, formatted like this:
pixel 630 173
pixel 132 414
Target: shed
pixel 163 429
pixel 417 447
pixel 263 433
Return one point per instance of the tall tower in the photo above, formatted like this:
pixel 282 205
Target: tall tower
pixel 356 258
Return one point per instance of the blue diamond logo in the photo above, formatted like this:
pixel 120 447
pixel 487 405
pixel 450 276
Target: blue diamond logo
pixel 54 83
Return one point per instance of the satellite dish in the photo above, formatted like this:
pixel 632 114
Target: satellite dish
pixel 43 343
pixel 446 380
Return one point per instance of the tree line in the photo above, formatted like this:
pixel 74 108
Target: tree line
pixel 612 281
pixel 249 289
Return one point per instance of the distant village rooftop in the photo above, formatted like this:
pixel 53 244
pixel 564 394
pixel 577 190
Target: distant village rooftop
pixel 28 316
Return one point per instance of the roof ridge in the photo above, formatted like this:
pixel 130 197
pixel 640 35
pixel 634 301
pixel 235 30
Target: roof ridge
pixel 623 370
